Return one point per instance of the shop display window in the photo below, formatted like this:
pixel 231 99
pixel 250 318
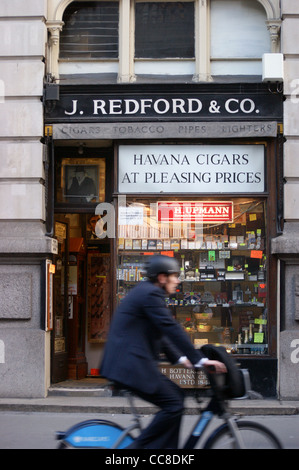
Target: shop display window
pixel 220 245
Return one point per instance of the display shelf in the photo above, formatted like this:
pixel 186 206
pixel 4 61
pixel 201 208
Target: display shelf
pixel 223 272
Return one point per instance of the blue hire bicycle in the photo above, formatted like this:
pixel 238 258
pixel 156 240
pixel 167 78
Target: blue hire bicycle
pixel 233 433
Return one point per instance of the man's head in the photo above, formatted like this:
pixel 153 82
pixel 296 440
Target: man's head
pixel 80 173
pixel 163 271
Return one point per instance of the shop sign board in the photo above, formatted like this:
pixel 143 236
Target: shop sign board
pixel 181 169
pixel 185 378
pixel 122 104
pixel 163 130
pixel 190 211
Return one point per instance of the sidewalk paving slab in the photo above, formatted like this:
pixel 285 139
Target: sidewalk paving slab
pixel 120 405
pixel 96 396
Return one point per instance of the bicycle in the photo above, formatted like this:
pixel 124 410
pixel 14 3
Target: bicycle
pixel 234 433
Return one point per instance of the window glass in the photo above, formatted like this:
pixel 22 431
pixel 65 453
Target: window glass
pixel 221 248
pixel 90 31
pixel 164 30
pixel 238 29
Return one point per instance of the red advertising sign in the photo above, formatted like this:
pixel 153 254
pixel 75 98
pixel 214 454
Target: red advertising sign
pixel 189 211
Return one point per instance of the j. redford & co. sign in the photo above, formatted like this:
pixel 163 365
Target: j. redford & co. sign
pixel 160 106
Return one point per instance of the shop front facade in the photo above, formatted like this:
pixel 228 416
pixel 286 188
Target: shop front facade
pixel 187 171
pixel 109 161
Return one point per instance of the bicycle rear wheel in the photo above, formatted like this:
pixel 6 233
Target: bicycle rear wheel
pixel 254 436
pixel 95 434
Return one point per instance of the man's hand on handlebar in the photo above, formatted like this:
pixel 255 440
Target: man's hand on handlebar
pixel 209 365
pixel 186 363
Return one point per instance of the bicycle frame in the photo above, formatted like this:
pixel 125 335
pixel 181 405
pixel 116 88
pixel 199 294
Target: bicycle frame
pixel 202 424
pixel 214 408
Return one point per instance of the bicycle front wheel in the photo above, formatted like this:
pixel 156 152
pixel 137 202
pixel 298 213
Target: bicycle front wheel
pixel 254 436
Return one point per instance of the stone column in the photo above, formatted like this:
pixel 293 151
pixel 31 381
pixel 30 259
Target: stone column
pixel 286 247
pixel 54 29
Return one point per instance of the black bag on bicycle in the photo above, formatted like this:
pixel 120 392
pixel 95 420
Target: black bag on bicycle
pixel 233 386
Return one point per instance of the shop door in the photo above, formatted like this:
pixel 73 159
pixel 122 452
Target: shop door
pixel 99 297
pixel 77 365
pixel 59 351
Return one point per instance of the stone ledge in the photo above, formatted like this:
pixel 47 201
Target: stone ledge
pixel 288 243
pixel 28 245
pixel 285 246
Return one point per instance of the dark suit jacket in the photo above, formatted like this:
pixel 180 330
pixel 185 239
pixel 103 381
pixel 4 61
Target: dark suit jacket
pixel 142 327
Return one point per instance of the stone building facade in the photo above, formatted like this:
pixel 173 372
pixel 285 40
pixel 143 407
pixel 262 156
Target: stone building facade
pixel 30 44
pixel 25 344
pixel 286 246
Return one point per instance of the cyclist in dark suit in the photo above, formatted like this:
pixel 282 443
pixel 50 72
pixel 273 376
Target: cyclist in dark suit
pixel 141 328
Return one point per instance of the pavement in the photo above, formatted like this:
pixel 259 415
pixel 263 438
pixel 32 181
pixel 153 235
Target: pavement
pixel 93 396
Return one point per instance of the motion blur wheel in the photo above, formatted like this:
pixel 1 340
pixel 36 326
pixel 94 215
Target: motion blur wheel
pixel 254 436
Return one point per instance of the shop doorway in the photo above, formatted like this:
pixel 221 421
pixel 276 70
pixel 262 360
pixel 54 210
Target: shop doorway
pixel 82 295
pixel 82 300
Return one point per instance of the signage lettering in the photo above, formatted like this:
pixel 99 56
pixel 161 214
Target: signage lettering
pixel 204 212
pixel 185 377
pixel 191 168
pixel 152 130
pixel 127 104
pixel 163 106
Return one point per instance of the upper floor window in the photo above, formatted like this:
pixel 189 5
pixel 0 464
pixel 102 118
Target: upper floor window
pixel 164 38
pixel 90 31
pixel 164 30
pixel 192 38
pixel 239 37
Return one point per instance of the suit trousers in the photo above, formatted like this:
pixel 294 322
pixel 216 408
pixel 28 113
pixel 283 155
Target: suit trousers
pixel 163 431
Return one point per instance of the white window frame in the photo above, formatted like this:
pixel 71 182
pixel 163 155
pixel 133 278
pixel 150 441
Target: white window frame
pixel 166 66
pixel 126 62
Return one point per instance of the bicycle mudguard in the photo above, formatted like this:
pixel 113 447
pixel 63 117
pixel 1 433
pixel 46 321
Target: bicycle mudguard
pixel 95 434
pixel 234 386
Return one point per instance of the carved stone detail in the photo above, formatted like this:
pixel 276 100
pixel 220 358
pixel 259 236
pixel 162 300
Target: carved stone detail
pixel 274 29
pixel 54 28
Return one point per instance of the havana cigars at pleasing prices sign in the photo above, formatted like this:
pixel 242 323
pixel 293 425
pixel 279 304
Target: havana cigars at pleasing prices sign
pixel 191 169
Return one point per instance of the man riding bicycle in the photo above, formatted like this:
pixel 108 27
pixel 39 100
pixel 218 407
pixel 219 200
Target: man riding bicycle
pixel 141 329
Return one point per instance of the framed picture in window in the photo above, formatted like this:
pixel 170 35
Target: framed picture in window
pixel 82 181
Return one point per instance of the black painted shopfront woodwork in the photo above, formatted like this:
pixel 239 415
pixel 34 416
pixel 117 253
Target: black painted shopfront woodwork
pixel 193 171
